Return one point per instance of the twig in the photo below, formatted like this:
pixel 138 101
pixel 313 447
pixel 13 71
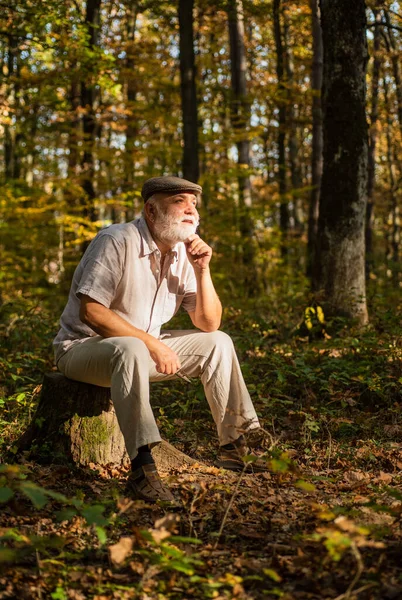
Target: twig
pixel 360 569
pixel 229 506
pixel 192 528
pixel 358 591
pixel 38 563
pixel 329 446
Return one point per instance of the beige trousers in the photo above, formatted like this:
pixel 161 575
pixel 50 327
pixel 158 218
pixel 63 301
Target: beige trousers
pixel 124 365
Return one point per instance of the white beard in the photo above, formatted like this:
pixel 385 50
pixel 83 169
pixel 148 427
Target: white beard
pixel 171 230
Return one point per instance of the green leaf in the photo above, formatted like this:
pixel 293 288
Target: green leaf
pixel 57 496
pixel 36 494
pixel 59 594
pixel 185 540
pixel 305 485
pixel 181 566
pixel 272 574
pixel 6 494
pixel 7 555
pixel 102 535
pixel 171 551
pixel 66 514
pixel 94 515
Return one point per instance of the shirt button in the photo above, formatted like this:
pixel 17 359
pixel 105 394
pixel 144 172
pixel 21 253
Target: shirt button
pixel 157 271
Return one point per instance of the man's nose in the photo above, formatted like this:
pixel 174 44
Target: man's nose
pixel 191 209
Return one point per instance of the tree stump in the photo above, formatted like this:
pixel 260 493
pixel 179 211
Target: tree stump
pixel 76 423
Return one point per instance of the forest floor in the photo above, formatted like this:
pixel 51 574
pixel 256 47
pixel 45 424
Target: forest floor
pixel 323 523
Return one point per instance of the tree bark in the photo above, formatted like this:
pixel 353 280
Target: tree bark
pixel 89 96
pixel 296 178
pixel 280 73
pixel 372 142
pixel 240 109
pixel 11 158
pixel 339 262
pixel 393 220
pixel 317 135
pixel 190 161
pixel 395 60
pixel 130 85
pixel 240 118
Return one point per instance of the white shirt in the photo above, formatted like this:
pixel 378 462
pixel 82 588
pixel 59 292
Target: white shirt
pixel 121 269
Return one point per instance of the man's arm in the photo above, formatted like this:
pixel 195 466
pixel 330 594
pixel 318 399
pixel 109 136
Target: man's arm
pixel 208 309
pixel 107 323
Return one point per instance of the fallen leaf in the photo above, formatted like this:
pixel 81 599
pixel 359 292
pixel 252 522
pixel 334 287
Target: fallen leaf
pixel 384 477
pixel 169 522
pixel 355 476
pixel 119 552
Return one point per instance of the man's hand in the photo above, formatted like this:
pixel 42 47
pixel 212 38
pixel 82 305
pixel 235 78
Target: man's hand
pixel 166 360
pixel 198 252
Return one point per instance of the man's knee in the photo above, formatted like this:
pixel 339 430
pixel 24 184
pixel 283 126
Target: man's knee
pixel 130 348
pixel 219 340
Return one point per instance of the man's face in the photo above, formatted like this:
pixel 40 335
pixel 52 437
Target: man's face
pixel 175 217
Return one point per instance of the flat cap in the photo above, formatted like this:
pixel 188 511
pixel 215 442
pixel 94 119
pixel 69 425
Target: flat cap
pixel 168 185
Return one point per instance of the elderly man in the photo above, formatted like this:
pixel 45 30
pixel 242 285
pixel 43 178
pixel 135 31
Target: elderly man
pixel 131 280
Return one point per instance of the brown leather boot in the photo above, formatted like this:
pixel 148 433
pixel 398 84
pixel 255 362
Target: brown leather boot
pixel 146 484
pixel 232 459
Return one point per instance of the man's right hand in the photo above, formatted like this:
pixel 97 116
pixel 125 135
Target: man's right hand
pixel 107 323
pixel 166 360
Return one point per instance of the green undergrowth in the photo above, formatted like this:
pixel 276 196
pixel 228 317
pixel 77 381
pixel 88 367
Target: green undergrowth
pixel 329 398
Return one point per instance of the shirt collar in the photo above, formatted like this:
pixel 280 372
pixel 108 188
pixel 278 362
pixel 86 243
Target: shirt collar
pixel 148 244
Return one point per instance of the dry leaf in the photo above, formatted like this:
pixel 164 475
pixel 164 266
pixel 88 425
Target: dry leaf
pixel 384 477
pixel 159 535
pixel 355 476
pixel 119 552
pixel 169 521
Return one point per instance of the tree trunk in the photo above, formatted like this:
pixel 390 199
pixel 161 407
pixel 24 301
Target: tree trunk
pixel 75 423
pixel 74 130
pixel 130 84
pixel 280 73
pixel 339 262
pixel 372 142
pixel 89 97
pixel 11 159
pixel 395 60
pixel 190 159
pixel 393 220
pixel 296 178
pixel 317 139
pixel 240 109
pixel 240 117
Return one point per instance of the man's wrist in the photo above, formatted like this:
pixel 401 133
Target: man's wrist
pixel 202 271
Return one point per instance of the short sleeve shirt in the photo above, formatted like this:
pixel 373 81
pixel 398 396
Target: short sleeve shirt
pixel 121 269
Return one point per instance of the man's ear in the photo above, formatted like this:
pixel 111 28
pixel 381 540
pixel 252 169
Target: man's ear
pixel 149 210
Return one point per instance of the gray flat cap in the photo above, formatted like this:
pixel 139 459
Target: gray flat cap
pixel 168 184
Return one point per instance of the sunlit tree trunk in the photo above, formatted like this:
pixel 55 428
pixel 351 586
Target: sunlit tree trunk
pixel 339 262
pixel 190 159
pixel 372 142
pixel 75 126
pixel 11 159
pixel 396 62
pixel 294 145
pixel 393 233
pixel 89 96
pixel 317 139
pixel 281 140
pixel 130 85
pixel 240 116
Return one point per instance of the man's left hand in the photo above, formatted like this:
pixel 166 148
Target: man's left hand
pixel 198 252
